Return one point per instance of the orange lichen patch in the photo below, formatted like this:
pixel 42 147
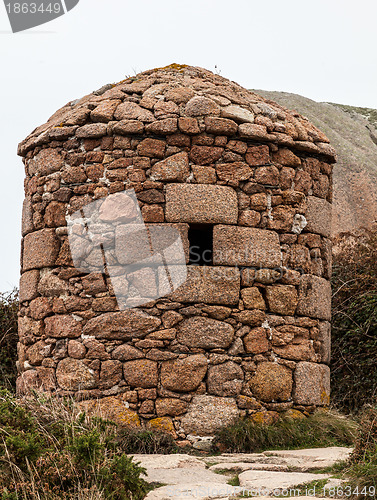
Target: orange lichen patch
pixel 111 408
pixel 294 415
pixel 265 417
pixel 164 424
pixel 177 67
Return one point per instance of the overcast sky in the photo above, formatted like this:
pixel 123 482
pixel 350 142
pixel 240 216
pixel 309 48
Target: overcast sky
pixel 324 50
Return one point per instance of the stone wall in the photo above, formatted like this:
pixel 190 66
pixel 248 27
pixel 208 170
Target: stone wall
pixel 249 331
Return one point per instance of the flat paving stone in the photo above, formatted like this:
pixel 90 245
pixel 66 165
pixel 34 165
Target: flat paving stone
pixel 199 491
pixel 270 480
pixel 242 466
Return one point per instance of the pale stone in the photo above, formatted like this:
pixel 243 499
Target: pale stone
pixel 318 216
pixel 174 168
pixel 244 246
pixel 225 379
pixel 205 333
pixel 122 325
pixel 206 414
pixel 201 203
pixel 314 298
pixel 237 113
pixel 74 375
pixel 312 384
pixel 212 285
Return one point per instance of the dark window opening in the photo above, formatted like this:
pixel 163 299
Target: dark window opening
pixel 201 244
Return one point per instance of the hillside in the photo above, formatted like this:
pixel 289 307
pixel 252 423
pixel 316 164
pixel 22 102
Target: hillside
pixel 353 133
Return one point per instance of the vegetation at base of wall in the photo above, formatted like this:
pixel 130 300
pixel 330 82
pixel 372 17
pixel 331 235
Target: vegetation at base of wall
pixel 8 339
pixel 49 450
pixel 362 470
pixel 322 429
pixel 354 321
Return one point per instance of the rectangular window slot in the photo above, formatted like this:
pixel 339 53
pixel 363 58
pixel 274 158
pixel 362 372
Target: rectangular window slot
pixel 201 244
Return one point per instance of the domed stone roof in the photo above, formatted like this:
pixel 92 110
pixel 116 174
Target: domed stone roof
pixel 133 106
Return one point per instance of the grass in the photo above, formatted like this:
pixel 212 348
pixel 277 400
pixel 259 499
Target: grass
pixel 322 429
pixel 49 450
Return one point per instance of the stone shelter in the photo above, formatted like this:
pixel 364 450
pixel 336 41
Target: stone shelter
pixel 247 185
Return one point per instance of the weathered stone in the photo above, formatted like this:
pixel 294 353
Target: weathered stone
pixel 40 308
pixel 104 112
pixel 220 126
pixel 46 162
pixel 258 156
pixel 258 201
pixel 256 341
pixel 206 414
pixel 74 375
pixel 225 379
pixel 213 285
pixel 41 249
pixel 111 408
pixel 303 351
pixel 163 127
pixel 163 424
pixel 141 373
pixel 174 168
pixel 252 298
pixel 318 216
pixel 235 172
pixel 37 352
pixel 282 299
pixel 28 327
pixel 171 318
pixel 184 375
pixel 132 111
pixel 91 131
pixel 188 125
pixel 217 312
pixel 170 406
pixel 272 382
pixel 252 318
pixel 325 339
pixel 96 349
pixel 285 157
pixel 76 349
pixel 201 204
pixel 125 127
pixel 244 246
pixel 93 283
pixel 249 218
pixel 205 155
pixel 110 375
pixel 63 326
pixel 314 297
pixel 118 208
pixel 201 106
pixel 312 384
pixel 127 353
pixel 29 285
pixel 282 218
pixel 205 333
pixel 153 148
pixel 122 325
pixel 256 132
pixel 51 285
pixel 237 113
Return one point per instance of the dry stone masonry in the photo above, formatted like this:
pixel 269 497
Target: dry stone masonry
pixel 248 184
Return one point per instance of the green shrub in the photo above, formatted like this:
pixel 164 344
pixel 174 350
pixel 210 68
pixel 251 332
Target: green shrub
pixel 49 451
pixel 8 339
pixel 354 323
pixel 322 429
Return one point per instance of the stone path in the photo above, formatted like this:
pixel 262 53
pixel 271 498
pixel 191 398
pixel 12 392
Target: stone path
pixel 263 475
